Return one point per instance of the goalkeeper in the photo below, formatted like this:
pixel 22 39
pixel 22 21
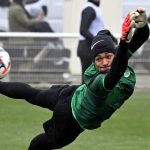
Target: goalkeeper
pixel 108 83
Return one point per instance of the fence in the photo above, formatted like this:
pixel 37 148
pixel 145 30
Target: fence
pixel 51 57
pixel 38 58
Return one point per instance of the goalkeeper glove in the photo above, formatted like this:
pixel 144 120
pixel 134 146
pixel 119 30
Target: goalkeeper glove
pixel 140 19
pixel 127 28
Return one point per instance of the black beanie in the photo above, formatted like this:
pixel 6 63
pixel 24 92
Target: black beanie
pixel 103 42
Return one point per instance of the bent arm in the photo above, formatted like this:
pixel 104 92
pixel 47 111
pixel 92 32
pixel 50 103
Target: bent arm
pixel 88 15
pixel 139 37
pixel 22 17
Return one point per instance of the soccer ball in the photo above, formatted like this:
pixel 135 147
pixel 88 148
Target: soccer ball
pixel 5 63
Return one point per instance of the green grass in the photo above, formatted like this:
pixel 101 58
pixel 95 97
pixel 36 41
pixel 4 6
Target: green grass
pixel 127 129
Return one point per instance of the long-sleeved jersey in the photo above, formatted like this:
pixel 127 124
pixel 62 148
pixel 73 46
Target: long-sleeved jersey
pixel 103 93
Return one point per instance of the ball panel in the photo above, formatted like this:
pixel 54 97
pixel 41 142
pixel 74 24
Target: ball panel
pixel 5 63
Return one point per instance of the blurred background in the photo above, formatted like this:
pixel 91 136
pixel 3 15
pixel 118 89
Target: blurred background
pixel 45 58
pixel 51 57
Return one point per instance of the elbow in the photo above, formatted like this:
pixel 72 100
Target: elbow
pixel 83 32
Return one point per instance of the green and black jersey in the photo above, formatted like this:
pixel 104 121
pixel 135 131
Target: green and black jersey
pixel 93 103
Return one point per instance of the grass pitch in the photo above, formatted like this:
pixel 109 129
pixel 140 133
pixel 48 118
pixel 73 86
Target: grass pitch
pixel 127 129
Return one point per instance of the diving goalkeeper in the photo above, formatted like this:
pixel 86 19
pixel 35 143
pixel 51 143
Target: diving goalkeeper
pixel 108 83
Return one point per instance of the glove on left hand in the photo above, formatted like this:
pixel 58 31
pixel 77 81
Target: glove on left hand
pixel 139 18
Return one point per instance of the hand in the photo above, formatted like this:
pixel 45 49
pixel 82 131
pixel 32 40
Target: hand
pixel 127 28
pixel 40 15
pixel 140 18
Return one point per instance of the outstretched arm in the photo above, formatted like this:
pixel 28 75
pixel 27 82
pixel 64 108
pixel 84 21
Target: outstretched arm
pixel 118 66
pixel 137 20
pixel 120 61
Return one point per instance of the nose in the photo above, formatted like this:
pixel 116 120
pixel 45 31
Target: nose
pixel 105 61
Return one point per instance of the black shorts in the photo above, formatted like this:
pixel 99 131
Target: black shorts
pixel 62 128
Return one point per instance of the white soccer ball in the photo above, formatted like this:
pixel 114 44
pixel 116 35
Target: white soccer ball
pixel 5 63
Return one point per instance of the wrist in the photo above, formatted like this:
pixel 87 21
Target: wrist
pixel 123 43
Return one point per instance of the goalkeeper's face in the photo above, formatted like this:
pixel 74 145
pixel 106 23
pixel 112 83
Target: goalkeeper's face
pixel 103 61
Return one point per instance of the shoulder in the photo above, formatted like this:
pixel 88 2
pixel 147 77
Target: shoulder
pixel 89 10
pixel 129 72
pixel 128 79
pixel 16 7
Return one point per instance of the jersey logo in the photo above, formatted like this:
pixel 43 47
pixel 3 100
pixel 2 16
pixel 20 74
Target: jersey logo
pixel 127 73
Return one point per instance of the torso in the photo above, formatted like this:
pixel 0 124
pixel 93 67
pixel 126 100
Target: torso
pixel 91 108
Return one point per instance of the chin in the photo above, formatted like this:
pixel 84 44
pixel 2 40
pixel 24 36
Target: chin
pixel 104 71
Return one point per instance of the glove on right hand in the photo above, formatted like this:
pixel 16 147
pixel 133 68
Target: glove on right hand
pixel 126 28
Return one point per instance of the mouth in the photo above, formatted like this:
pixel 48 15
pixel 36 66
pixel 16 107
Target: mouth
pixel 105 69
